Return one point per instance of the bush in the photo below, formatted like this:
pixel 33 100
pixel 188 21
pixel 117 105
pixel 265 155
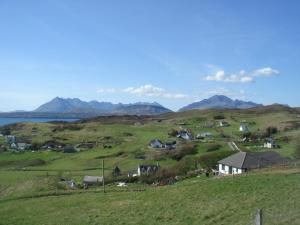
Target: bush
pixel 297 151
pixel 210 160
pixel 179 153
pixel 173 133
pixel 219 117
pixel 5 130
pixel 213 147
pixel 66 126
pixel 270 131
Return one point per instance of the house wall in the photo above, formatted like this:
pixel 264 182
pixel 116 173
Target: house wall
pixel 226 170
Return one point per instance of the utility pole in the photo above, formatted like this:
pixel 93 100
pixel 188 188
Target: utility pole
pixel 103 182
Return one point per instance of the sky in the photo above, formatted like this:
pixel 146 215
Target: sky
pixel 171 51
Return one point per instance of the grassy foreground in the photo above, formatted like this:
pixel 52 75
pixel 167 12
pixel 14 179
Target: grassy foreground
pixel 230 200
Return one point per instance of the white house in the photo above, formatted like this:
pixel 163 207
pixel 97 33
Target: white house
pixel 270 143
pixel 244 128
pixel 223 124
pixel 147 170
pixel 245 161
pixel 184 134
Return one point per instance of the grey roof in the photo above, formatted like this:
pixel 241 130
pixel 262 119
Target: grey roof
pixel 252 160
pixel 92 179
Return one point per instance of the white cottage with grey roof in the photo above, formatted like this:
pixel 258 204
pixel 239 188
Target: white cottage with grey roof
pixel 245 161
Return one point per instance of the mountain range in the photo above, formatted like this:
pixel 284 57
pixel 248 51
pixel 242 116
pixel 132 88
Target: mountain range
pixel 75 105
pixel 220 102
pixel 76 108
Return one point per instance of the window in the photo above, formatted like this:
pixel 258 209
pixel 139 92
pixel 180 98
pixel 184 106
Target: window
pixel 223 167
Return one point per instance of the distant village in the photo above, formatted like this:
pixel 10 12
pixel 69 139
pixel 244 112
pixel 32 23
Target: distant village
pixel 235 164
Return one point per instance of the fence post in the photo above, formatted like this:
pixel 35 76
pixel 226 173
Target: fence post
pixel 258 217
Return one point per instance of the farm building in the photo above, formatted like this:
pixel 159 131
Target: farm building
pixel 184 134
pixel 223 124
pixel 155 143
pixel 244 128
pixel 244 161
pixel 270 143
pixel 147 170
pixel 92 180
pixel 69 149
pixel 10 139
pixel 170 145
pixel 20 146
pixel 204 135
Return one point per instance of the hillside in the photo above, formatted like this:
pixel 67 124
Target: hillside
pixel 220 102
pixel 29 180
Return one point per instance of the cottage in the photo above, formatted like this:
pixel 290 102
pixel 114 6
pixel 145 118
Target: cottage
pixel 68 183
pixel 92 181
pixel 244 161
pixel 147 170
pixel 20 146
pixel 270 143
pixel 170 145
pixel 69 149
pixel 223 124
pixel 244 128
pixel 10 139
pixel 204 135
pixel 156 143
pixel 184 134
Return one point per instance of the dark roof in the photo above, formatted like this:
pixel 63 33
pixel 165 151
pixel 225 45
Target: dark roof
pixel 251 160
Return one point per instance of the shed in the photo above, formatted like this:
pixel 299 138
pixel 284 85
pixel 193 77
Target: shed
pixel 92 180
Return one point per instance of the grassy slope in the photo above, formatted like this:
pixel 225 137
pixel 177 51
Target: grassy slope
pixel 213 201
pixel 195 201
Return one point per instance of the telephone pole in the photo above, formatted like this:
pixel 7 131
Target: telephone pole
pixel 103 182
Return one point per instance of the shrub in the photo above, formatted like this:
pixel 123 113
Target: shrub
pixel 173 133
pixel 219 117
pixel 270 131
pixel 210 160
pixel 179 153
pixel 297 151
pixel 5 130
pixel 213 147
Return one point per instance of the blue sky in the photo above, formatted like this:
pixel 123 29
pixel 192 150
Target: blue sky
pixel 171 51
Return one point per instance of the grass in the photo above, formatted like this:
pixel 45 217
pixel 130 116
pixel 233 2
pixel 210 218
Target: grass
pixel 231 200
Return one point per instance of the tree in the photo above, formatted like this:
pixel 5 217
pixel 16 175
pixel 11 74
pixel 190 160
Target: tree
pixel 6 130
pixel 270 131
pixel 297 151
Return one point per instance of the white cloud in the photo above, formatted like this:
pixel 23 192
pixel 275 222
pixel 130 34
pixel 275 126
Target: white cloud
pixel 242 76
pixel 265 72
pixel 152 91
pixel 220 76
pixel 106 91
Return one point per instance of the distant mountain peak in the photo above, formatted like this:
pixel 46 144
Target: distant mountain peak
pixel 75 105
pixel 220 102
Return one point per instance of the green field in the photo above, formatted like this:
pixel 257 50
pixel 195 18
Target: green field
pixel 30 194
